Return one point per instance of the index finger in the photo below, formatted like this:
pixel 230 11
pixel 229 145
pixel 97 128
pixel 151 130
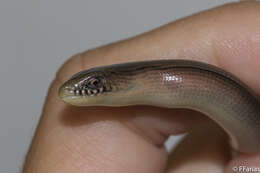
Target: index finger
pixel 227 37
pixel 217 37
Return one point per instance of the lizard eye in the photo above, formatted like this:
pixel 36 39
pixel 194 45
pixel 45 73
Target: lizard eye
pixel 95 82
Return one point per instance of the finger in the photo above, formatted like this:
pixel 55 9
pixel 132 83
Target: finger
pixel 227 36
pixel 205 149
pixel 100 139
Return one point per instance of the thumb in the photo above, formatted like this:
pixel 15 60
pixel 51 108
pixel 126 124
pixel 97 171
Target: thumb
pixel 70 139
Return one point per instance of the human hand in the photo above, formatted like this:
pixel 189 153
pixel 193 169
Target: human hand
pixel 130 139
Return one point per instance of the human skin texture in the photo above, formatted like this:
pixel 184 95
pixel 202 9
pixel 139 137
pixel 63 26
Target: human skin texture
pixel 173 84
pixel 130 139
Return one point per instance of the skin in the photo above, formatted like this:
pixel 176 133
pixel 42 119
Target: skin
pixel 70 139
pixel 173 84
